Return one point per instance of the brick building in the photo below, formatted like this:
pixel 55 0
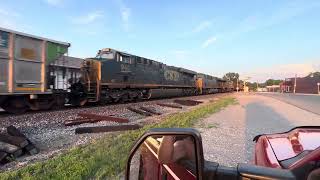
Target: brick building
pixel 308 85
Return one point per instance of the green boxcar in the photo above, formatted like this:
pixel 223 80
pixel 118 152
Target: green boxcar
pixel 54 51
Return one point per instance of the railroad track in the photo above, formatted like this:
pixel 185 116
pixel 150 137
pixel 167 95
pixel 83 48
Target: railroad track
pixel 67 107
pixel 50 131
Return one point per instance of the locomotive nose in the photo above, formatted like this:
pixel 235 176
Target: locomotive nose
pixel 86 63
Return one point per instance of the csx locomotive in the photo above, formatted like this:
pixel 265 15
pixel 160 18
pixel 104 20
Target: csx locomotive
pixel 111 76
pixel 114 76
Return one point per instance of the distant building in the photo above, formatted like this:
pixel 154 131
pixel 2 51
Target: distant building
pixel 306 85
pixel 262 89
pixel 64 70
pixel 273 88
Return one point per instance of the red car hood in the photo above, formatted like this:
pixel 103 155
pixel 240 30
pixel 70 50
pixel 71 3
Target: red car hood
pixel 290 144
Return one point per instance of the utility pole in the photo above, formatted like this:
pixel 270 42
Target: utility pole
pixel 272 86
pixel 318 84
pixel 245 88
pixel 295 84
pixel 237 84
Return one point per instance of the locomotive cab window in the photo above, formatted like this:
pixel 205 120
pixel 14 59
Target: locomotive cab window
pixel 126 59
pixel 139 61
pixel 132 60
pixel 106 55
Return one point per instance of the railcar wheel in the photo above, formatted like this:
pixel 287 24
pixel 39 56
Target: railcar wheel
pixel 15 105
pixel 78 101
pixel 59 101
pixel 147 94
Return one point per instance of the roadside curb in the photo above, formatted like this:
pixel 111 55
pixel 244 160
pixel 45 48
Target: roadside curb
pixel 293 105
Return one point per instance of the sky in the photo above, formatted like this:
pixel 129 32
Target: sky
pixel 259 39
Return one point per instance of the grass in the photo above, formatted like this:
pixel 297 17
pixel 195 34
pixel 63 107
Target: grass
pixel 205 125
pixel 107 156
pixel 212 126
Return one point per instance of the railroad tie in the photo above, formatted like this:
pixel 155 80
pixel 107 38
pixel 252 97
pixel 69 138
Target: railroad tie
pixel 10 149
pixel 30 148
pixel 170 105
pixel 187 102
pixel 150 110
pixel 103 117
pixel 3 157
pixel 145 113
pixel 93 118
pixel 14 140
pixel 98 129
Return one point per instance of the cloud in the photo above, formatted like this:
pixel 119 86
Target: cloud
pixel 5 12
pixel 125 15
pixel 180 54
pixel 202 26
pixel 8 24
pixel 209 41
pixel 54 2
pixel 261 20
pixel 289 11
pixel 282 71
pixel 88 18
pixel 9 19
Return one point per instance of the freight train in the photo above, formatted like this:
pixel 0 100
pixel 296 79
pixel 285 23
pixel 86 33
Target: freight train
pixel 112 76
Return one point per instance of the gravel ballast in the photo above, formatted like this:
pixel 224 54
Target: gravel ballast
pixel 47 131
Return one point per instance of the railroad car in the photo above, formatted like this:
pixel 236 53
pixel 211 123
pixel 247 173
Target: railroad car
pixel 207 84
pixel 225 85
pixel 114 76
pixel 228 86
pixel 24 78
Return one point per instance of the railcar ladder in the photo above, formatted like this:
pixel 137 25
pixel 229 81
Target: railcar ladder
pixel 93 79
pixel 93 93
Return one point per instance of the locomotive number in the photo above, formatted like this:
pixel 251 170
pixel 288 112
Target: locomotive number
pixel 125 67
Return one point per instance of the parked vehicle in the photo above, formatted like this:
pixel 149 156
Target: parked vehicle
pixel 293 150
pixel 291 155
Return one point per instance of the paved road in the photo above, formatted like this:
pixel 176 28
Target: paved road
pixel 231 141
pixel 307 102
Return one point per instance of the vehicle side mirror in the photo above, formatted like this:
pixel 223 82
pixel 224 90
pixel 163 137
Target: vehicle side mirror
pixel 167 153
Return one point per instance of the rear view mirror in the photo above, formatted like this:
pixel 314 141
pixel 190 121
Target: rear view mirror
pixel 166 154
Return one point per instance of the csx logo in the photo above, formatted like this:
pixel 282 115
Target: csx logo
pixel 171 75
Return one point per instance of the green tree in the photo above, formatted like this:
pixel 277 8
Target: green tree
pixel 271 82
pixel 314 74
pixel 252 86
pixel 231 76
